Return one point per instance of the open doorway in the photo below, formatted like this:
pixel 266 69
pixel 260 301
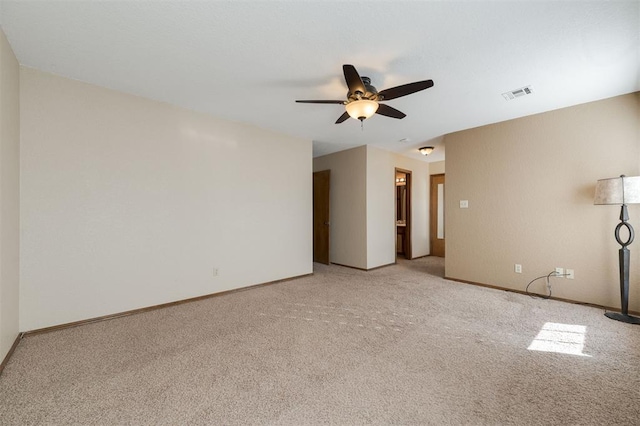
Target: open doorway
pixel 403 213
pixel 436 215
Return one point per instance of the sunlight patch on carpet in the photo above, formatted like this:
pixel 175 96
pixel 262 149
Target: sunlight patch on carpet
pixel 560 338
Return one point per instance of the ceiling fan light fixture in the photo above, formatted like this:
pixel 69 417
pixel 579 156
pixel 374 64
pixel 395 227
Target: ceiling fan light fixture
pixel 426 150
pixel 362 109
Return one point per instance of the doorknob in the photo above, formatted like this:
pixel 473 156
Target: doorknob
pixel 327 223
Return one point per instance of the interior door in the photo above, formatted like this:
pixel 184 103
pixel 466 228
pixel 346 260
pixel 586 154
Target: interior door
pixel 436 215
pixel 321 219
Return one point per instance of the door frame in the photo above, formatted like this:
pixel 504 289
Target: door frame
pixel 433 214
pixel 325 226
pixel 408 244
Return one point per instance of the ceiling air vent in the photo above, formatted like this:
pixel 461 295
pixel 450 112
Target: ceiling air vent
pixel 518 93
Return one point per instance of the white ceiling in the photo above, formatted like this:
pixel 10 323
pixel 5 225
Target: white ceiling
pixel 248 61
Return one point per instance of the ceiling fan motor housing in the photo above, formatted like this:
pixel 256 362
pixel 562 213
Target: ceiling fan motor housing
pixel 371 93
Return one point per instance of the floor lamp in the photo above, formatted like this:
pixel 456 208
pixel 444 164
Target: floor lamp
pixel 621 191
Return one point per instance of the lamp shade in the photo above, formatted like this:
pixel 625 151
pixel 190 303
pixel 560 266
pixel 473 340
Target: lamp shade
pixel 619 190
pixel 361 109
pixel 426 150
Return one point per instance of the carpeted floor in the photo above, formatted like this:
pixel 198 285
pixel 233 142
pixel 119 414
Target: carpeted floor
pixel 398 345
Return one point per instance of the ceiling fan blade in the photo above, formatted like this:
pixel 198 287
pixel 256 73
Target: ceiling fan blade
pixel 322 102
pixel 390 111
pixel 405 89
pixel 354 82
pixel 342 118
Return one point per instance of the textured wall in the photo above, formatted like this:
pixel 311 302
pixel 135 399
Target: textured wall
pixel 9 195
pixel 128 203
pixel 348 235
pixel 530 185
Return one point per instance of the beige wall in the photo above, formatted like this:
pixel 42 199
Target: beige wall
pixel 381 230
pixel 436 168
pixel 128 203
pixel 348 232
pixel 530 185
pixel 381 215
pixel 363 233
pixel 9 195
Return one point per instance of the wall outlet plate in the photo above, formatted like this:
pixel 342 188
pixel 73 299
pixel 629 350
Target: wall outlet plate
pixel 559 272
pixel 518 268
pixel 569 274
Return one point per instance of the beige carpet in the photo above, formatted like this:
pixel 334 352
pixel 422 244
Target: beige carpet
pixel 398 345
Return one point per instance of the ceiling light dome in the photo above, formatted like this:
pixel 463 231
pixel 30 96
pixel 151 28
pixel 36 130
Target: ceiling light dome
pixel 362 109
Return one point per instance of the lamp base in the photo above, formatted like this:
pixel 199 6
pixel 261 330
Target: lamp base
pixel 622 317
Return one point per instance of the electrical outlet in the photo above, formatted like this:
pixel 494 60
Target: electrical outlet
pixel 559 273
pixel 215 272
pixel 464 204
pixel 569 273
pixel 518 268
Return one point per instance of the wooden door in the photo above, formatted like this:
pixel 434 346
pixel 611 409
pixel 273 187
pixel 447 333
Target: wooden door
pixel 321 222
pixel 436 215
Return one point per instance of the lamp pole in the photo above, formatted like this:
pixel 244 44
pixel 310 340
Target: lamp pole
pixel 624 260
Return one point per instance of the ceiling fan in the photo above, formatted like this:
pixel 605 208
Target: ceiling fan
pixel 363 99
